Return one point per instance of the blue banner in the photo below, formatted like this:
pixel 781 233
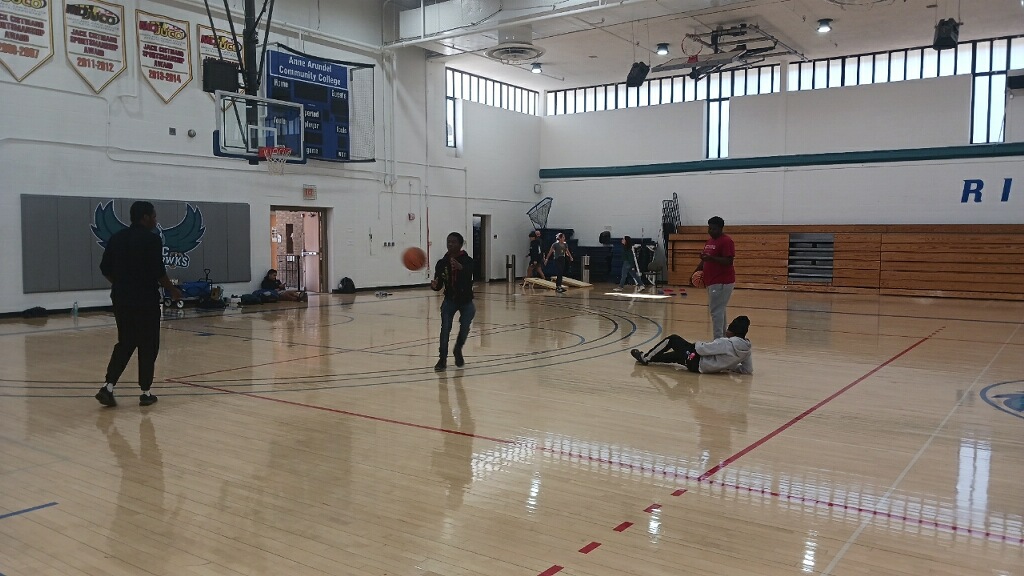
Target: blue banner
pixel 302 69
pixel 321 87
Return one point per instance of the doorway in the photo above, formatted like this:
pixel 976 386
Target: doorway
pixel 298 247
pixel 481 246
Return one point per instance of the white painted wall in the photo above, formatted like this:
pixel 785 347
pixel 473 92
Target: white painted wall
pixel 915 114
pixel 628 136
pixel 898 193
pixel 1015 116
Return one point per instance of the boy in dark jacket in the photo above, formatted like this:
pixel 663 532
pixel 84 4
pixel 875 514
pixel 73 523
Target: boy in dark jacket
pixel 454 273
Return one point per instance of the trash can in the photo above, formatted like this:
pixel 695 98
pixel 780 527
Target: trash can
pixel 510 268
pixel 585 274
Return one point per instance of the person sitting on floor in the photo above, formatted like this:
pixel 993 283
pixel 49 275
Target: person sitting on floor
pixel 732 353
pixel 270 282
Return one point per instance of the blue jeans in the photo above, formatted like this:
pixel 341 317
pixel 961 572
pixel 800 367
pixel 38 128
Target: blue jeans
pixel 629 270
pixel 466 313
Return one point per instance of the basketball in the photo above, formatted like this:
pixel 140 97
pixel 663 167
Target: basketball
pixel 414 258
pixel 697 280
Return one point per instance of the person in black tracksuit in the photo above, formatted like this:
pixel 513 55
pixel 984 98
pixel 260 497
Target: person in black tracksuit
pixel 536 257
pixel 454 273
pixel 133 263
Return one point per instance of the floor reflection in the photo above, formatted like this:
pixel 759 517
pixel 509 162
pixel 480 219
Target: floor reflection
pixel 454 461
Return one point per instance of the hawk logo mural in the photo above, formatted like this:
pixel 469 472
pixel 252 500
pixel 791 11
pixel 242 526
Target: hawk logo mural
pixel 1006 397
pixel 178 240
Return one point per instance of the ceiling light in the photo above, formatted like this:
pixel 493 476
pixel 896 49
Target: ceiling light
pixel 824 25
pixel 663 49
pixel 536 69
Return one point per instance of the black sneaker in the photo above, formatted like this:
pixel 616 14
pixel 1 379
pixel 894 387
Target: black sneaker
pixel 440 366
pixel 639 356
pixel 106 397
pixel 145 400
pixel 459 360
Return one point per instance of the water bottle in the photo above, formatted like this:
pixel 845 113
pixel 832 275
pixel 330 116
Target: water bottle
pixel 74 309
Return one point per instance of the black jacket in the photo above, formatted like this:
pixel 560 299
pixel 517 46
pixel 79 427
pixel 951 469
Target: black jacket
pixel 457 284
pixel 134 262
pixel 536 251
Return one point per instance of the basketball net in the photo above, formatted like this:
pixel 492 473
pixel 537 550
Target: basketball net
pixel 691 47
pixel 539 213
pixel 276 157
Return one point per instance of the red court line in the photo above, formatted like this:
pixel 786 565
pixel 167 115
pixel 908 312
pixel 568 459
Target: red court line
pixel 589 548
pixel 702 479
pixel 623 527
pixel 553 570
pixel 344 412
pixel 766 492
pixel 711 472
pixel 718 468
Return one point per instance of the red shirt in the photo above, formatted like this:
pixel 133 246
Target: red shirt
pixel 715 273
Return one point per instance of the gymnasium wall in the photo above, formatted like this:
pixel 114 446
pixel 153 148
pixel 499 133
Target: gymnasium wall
pixel 624 137
pixel 61 139
pixel 1015 116
pixel 914 114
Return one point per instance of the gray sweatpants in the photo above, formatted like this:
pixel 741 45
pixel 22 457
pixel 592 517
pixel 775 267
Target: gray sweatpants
pixel 718 299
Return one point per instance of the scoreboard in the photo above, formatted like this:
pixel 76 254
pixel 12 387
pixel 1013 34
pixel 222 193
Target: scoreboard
pixel 322 87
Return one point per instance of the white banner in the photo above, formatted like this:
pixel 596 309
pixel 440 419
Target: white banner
pixel 94 40
pixel 208 44
pixel 165 53
pixel 26 35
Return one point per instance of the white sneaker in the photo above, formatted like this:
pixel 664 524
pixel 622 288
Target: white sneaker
pixel 617 289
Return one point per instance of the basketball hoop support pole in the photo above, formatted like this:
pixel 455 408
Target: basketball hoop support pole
pixel 249 39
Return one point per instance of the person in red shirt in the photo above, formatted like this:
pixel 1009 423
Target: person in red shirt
pixel 719 275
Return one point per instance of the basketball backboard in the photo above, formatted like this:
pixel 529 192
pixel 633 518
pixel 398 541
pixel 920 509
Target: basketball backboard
pixel 247 123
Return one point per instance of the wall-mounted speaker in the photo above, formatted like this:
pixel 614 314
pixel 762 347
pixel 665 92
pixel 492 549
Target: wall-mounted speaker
pixel 637 74
pixel 220 75
pixel 947 34
pixel 1015 81
pixel 536 188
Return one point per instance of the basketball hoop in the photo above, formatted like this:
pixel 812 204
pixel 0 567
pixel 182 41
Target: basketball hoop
pixel 276 157
pixel 691 46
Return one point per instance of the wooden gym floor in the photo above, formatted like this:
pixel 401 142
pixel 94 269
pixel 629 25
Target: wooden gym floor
pixel 879 435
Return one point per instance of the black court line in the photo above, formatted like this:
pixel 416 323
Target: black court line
pixel 26 510
pixel 431 376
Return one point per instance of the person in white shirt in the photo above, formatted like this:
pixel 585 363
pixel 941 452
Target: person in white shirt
pixel 732 353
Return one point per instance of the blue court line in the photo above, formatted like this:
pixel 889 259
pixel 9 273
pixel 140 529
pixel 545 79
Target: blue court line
pixel 25 511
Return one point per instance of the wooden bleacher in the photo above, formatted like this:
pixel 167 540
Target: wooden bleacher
pixel 955 261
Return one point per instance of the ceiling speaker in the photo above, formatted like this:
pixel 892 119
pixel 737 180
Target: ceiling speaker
pixel 947 34
pixel 637 74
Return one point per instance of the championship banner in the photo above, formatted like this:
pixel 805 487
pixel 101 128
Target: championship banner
pixel 165 53
pixel 208 43
pixel 94 40
pixel 26 35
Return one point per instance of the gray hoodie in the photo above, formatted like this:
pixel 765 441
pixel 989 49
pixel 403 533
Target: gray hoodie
pixel 733 354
